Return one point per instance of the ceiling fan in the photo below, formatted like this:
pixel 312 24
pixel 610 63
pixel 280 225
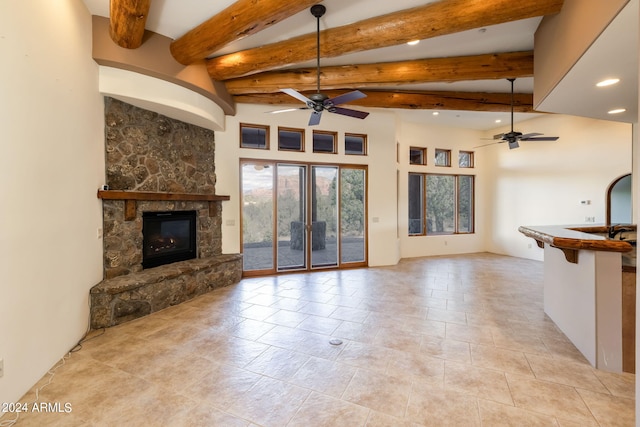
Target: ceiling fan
pixel 319 102
pixel 514 137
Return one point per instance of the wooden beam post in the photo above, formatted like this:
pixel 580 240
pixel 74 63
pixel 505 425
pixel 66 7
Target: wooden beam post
pixel 241 19
pixel 415 100
pixel 127 21
pixel 431 20
pixel 453 69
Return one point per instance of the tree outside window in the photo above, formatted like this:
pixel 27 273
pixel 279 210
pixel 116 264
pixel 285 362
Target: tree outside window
pixel 449 207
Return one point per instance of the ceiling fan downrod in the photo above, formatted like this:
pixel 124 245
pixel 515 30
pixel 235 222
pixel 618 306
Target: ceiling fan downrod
pixel 318 11
pixel 511 80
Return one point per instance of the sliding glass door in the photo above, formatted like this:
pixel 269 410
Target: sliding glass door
pixel 353 219
pixel 324 216
pixel 291 213
pixel 302 216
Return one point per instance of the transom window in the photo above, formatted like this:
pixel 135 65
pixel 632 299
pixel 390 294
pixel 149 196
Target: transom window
pixel 324 142
pixel 465 159
pixel 417 156
pixel 290 139
pixel 355 144
pixel 443 157
pixel 254 136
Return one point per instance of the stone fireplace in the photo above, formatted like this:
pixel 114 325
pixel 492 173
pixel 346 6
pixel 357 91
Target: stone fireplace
pixel 157 165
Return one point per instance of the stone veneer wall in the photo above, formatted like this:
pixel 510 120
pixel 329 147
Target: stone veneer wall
pixel 146 151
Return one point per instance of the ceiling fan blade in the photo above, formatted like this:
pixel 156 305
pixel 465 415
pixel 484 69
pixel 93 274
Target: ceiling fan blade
pixel 346 97
pixel 498 136
pixel 286 110
pixel 297 95
pixel 529 135
pixel 541 138
pixel 349 112
pixel 491 143
pixel 315 118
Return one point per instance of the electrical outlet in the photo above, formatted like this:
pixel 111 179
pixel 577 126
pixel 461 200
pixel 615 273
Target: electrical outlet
pixel 1 367
pixel 99 233
pixel 445 243
pixel 589 219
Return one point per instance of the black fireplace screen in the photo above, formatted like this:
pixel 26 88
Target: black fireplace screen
pixel 168 237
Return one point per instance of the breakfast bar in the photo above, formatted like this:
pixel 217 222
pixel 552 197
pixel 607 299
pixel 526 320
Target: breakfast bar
pixel 585 292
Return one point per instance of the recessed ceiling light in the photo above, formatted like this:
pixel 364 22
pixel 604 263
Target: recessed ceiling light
pixel 498 121
pixel 435 113
pixel 413 42
pixel 617 111
pixel 607 82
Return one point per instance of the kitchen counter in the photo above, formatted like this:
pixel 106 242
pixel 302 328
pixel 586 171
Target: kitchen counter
pixel 571 239
pixel 584 291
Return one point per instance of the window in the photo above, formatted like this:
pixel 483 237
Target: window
pixel 417 156
pixel 290 139
pixel 465 159
pixel 443 157
pixel 441 204
pixel 324 142
pixel 254 136
pixel 355 144
pixel 416 204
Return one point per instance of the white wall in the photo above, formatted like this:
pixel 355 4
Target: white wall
pixel 543 183
pixel 380 130
pixel 51 166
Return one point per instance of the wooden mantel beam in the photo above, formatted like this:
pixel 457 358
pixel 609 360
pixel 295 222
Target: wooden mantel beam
pixel 433 19
pixel 127 19
pixel 428 100
pixel 478 67
pixel 241 19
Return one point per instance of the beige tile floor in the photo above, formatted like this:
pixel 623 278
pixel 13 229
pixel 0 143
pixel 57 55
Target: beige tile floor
pixel 441 341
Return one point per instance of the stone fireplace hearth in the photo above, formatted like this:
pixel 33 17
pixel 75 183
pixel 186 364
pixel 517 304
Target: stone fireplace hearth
pixel 154 164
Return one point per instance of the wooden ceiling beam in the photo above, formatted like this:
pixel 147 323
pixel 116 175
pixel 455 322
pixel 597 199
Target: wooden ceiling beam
pixel 415 100
pixel 241 19
pixel 454 69
pixel 127 19
pixel 431 20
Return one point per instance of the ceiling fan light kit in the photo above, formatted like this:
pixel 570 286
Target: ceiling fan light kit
pixel 319 102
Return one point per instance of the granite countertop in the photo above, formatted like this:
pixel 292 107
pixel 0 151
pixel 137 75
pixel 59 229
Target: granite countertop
pixel 571 239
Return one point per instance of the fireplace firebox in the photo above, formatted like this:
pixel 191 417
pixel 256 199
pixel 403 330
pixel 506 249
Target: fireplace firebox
pixel 168 237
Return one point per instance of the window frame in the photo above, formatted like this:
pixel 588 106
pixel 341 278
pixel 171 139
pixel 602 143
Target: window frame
pixel 364 143
pixel 447 154
pixel 425 209
pixel 423 154
pixel 471 159
pixel 422 200
pixel 325 132
pixel 255 126
pixel 293 130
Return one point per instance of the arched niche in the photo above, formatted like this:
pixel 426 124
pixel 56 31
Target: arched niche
pixel 619 201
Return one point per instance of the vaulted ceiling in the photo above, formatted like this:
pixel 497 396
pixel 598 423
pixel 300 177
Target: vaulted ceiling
pixel 467 49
